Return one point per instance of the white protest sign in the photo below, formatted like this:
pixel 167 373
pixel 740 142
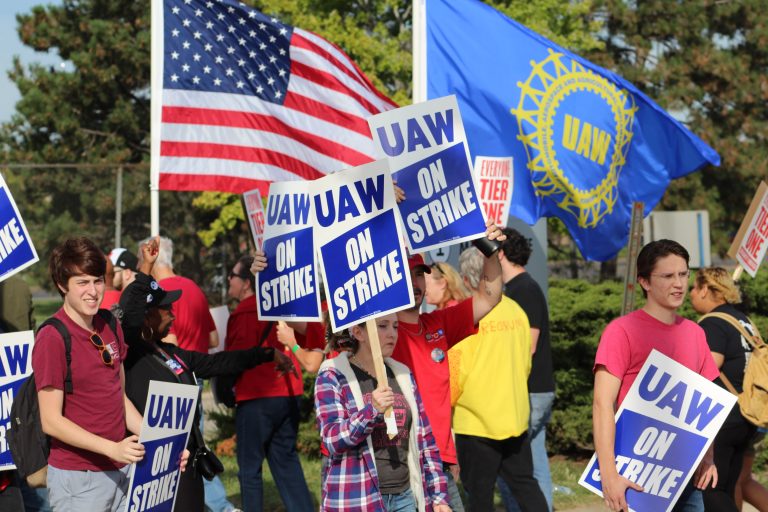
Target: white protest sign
pixel 220 315
pixel 16 249
pixel 15 367
pixel 254 212
pixel 496 178
pixel 364 265
pixel 429 157
pixel 750 244
pixel 664 426
pixel 168 417
pixel 287 288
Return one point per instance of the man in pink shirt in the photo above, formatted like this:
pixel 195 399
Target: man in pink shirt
pixel 662 271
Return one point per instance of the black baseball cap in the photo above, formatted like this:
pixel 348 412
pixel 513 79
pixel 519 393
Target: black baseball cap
pixel 122 258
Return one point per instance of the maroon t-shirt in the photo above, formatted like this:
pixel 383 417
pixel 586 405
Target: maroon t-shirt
pixel 97 401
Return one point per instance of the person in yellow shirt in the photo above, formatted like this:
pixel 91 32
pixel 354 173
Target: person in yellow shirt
pixel 489 391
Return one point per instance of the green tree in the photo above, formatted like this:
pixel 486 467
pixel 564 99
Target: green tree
pixel 94 112
pixel 706 62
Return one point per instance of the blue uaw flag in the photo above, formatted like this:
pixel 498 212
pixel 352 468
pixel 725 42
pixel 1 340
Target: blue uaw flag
pixel 585 143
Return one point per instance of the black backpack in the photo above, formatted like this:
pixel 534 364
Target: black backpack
pixel 29 445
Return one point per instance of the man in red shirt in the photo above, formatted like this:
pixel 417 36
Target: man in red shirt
pixel 90 454
pixel 423 340
pixel 267 418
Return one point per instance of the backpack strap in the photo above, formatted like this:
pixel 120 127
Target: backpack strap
pixel 110 320
pixel 59 326
pixel 755 340
pixel 105 315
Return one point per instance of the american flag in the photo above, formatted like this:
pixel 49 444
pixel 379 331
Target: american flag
pixel 247 100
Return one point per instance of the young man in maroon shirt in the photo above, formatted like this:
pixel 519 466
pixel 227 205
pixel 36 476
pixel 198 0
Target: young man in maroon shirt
pixel 90 454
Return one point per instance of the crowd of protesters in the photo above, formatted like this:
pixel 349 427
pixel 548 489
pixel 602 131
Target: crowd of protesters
pixel 469 384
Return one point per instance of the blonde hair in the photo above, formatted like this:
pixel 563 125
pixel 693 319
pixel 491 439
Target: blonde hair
pixel 720 283
pixel 454 286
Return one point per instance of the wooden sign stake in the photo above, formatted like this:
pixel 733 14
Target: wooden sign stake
pixel 630 278
pixel 381 372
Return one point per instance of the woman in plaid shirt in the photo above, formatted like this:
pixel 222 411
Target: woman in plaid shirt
pixel 367 471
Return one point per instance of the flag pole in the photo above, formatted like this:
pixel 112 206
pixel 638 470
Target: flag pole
pixel 633 248
pixel 156 92
pixel 419 83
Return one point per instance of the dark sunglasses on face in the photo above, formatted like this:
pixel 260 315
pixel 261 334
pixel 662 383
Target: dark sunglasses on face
pixel 233 274
pixel 106 356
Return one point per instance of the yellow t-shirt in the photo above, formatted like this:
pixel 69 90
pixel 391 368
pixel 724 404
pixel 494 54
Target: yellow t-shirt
pixel 489 375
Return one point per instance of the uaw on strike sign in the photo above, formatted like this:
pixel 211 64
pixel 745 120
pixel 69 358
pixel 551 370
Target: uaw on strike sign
pixel 15 367
pixel 361 253
pixel 428 154
pixel 663 429
pixel 168 418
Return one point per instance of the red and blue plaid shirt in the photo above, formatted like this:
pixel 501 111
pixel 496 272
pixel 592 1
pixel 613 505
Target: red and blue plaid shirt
pixel 351 482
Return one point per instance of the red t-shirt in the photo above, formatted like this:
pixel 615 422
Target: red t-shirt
pixel 96 403
pixel 423 348
pixel 111 297
pixel 194 323
pixel 627 342
pixel 244 330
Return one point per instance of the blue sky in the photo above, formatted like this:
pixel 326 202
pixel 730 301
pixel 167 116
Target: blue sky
pixel 11 46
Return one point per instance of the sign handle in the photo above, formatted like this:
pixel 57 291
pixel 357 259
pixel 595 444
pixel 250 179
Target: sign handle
pixel 381 372
pixel 635 232
pixel 737 272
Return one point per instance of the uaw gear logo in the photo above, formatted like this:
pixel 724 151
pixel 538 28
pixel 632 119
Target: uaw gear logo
pixel 576 127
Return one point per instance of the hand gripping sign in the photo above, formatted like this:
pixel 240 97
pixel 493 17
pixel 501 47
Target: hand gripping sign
pixel 361 253
pixel 287 288
pixel 663 429
pixel 168 419
pixel 428 154
pixel 15 367
pixel 16 249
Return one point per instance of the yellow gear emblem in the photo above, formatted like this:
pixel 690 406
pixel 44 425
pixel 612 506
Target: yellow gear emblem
pixel 552 81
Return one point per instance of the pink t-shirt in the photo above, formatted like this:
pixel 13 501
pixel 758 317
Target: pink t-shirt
pixel 627 342
pixel 423 349
pixel 96 403
pixel 194 323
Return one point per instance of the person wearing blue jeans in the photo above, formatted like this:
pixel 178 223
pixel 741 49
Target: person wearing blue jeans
pixel 215 493
pixel 523 289
pixel 267 428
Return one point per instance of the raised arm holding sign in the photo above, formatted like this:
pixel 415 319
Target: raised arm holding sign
pixel 427 150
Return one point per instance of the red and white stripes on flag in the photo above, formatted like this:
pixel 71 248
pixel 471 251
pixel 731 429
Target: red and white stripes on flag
pixel 226 123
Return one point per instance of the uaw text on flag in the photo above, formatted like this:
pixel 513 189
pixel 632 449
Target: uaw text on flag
pixel 247 100
pixel 585 143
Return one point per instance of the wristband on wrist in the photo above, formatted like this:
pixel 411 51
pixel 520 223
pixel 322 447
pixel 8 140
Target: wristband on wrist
pixel 295 348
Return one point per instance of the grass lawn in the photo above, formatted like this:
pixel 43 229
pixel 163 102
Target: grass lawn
pixel 43 308
pixel 564 473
